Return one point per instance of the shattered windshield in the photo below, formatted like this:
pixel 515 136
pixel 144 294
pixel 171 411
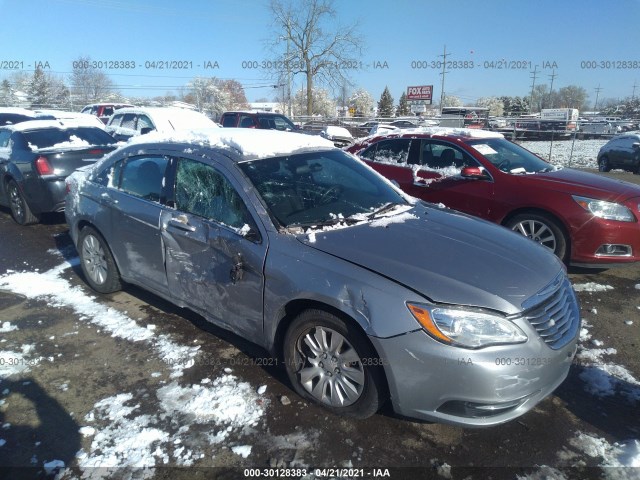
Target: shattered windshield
pixel 509 157
pixel 319 188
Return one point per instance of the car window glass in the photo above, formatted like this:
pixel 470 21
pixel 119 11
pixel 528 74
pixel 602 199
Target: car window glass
pixel 201 190
pixel 438 155
pixel 144 122
pixel 246 121
pixel 109 176
pixel 369 153
pixel 393 150
pixel 267 123
pixel 129 121
pixel 281 124
pixel 107 111
pixel 4 138
pixel 144 177
pixel 229 121
pixel 115 121
pixel 67 137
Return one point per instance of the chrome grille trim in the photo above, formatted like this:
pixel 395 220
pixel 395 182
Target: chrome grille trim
pixel 556 317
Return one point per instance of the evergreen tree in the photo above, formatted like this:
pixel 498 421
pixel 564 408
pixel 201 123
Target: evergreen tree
pixel 6 93
pixel 385 105
pixel 39 90
pixel 403 106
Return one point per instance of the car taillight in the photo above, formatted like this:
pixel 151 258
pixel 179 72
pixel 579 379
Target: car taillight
pixel 95 151
pixel 43 167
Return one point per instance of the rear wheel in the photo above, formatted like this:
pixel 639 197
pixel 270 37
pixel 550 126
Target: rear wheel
pixel 330 363
pixel 20 210
pixel 603 164
pixel 98 265
pixel 542 229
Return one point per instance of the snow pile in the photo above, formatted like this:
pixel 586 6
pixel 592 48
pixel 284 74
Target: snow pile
pixel 603 378
pixel 129 440
pixel 591 287
pixel 73 142
pixel 625 454
pixel 7 327
pixel 388 220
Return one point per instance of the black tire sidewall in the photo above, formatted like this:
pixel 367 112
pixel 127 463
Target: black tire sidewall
pixel 112 283
pixel 603 164
pixel 372 396
pixel 28 217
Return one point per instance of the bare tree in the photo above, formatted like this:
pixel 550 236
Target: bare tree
pixel 312 43
pixel 89 84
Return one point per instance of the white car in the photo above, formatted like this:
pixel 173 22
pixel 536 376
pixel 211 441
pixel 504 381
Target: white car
pixel 79 118
pixel 130 122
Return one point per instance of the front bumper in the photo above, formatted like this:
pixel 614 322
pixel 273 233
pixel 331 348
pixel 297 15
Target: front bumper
pixel 432 381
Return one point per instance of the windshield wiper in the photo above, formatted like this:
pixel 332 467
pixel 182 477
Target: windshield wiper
pixel 325 223
pixel 387 207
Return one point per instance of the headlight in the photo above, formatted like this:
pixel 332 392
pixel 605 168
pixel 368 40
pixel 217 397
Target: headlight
pixel 465 327
pixel 606 210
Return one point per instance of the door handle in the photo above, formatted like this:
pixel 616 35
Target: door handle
pixel 237 270
pixel 181 222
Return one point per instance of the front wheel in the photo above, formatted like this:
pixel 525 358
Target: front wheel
pixel 330 363
pixel 97 262
pixel 603 164
pixel 542 229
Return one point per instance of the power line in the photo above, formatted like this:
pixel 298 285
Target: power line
pixel 444 64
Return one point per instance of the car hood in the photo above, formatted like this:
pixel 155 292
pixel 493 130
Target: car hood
pixel 446 256
pixel 584 183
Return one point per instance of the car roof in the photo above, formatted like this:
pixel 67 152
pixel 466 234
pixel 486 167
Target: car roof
pixel 18 110
pixel 249 112
pixel 249 143
pixel 167 118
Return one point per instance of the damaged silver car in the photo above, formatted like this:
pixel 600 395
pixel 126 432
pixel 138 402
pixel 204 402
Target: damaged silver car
pixel 364 294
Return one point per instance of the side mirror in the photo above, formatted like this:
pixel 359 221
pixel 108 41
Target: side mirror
pixel 635 145
pixel 473 173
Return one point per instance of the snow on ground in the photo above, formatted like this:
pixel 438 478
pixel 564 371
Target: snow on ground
pixel 581 154
pixel 591 287
pixel 122 436
pixel 602 377
pixel 620 454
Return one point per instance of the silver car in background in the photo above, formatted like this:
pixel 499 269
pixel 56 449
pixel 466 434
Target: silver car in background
pixel 364 294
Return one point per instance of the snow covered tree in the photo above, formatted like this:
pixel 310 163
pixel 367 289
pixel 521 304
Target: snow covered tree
pixel 451 101
pixel 573 96
pixel 515 106
pixel 385 104
pixel 323 104
pixel 362 102
pixel 208 97
pixel 39 90
pixel 494 104
pixel 403 108
pixel 6 93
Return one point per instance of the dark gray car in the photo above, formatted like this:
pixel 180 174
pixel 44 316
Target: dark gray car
pixel 364 295
pixel 622 151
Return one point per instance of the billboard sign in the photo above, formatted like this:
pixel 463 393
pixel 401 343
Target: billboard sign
pixel 422 92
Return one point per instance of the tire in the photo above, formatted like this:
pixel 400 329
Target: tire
pixel 98 266
pixel 603 164
pixel 329 362
pixel 542 229
pixel 20 210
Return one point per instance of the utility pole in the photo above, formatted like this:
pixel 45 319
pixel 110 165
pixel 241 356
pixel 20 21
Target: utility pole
pixel 552 77
pixel 533 84
pixel 444 64
pixel 633 92
pixel 595 105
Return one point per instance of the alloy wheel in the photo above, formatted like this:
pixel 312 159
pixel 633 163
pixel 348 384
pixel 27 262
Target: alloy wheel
pixel 538 232
pixel 93 256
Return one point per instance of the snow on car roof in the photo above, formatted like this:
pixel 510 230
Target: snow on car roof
pixel 172 118
pixel 21 111
pixel 40 124
pixel 252 144
pixel 447 131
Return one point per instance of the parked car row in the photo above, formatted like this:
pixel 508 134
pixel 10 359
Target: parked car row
pixel 364 294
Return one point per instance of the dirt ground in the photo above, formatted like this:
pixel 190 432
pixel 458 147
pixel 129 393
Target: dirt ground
pixel 70 362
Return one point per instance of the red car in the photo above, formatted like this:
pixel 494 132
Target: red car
pixel 586 219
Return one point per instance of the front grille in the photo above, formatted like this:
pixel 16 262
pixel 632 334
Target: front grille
pixel 557 317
